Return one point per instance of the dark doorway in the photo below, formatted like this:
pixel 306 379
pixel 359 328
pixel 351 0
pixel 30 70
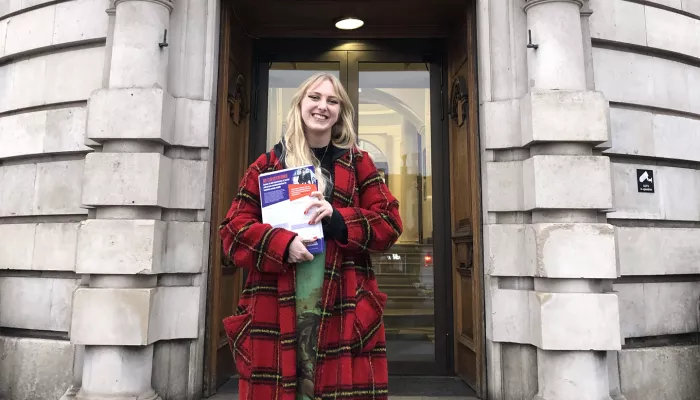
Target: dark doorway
pixel 411 74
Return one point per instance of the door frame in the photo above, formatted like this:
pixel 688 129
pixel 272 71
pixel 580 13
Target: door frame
pixel 229 158
pixel 349 53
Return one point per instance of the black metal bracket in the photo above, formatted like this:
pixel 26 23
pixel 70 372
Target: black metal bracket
pixel 530 45
pixel 165 40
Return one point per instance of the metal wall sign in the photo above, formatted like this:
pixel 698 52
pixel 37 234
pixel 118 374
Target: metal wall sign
pixel 645 181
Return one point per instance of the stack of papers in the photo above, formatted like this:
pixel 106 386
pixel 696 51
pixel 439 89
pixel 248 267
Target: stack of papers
pixel 284 196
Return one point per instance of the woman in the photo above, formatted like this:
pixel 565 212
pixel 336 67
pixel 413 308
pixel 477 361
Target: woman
pixel 308 326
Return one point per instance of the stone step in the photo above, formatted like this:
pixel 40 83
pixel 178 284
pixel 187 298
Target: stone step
pixel 417 333
pixel 405 318
pixel 403 279
pixel 400 290
pixel 234 396
pixel 400 388
pixel 410 303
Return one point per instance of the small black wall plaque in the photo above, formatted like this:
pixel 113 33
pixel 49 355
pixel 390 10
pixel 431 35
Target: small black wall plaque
pixel 645 181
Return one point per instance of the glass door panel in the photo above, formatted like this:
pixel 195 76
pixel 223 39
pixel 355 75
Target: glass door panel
pixel 394 119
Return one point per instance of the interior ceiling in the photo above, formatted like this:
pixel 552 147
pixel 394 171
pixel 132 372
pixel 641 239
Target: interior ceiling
pixel 315 18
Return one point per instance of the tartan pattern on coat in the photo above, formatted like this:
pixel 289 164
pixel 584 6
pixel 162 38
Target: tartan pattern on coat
pixel 351 357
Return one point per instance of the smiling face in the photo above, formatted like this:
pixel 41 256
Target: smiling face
pixel 320 109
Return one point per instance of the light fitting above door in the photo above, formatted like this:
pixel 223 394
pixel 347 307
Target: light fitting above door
pixel 348 23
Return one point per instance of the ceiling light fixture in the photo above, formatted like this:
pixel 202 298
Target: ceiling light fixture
pixel 348 23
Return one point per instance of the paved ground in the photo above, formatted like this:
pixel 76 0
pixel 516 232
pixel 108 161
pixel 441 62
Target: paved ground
pixel 406 388
pixel 223 396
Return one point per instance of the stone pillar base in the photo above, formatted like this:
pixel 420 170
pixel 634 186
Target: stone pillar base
pixel 117 373
pixel 538 397
pixel 572 375
pixel 151 395
pixel 70 393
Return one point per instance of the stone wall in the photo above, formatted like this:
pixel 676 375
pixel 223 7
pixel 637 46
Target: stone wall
pixel 549 251
pixel 554 209
pixel 51 59
pixel 578 263
pixel 646 60
pixel 104 193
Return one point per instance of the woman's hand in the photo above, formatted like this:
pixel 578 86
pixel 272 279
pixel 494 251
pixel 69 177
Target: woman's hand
pixel 324 208
pixel 298 251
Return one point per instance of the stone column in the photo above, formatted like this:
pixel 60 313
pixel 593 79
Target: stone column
pixel 567 189
pixel 123 312
pixel 614 376
pixel 557 63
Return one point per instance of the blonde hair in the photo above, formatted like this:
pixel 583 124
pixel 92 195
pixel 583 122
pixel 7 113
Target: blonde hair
pixel 343 135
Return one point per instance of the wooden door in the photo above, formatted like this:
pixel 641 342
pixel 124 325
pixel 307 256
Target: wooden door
pixel 465 204
pixel 231 161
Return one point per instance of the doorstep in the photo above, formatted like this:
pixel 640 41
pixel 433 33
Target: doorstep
pixel 419 388
pixel 234 396
pixel 223 396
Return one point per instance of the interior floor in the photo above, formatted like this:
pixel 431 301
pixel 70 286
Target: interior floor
pixel 400 388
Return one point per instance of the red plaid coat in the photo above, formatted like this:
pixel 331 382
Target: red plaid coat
pixel 351 357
